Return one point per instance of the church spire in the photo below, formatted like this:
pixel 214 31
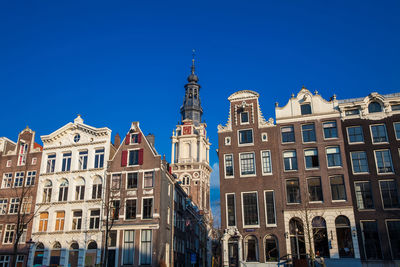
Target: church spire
pixel 191 108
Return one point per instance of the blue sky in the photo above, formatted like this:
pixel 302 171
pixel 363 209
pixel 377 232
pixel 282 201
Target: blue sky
pixel 120 61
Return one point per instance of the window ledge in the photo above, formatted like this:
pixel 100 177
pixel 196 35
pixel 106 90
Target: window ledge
pixel 251 226
pixel 229 177
pixel 366 210
pixel 391 208
pixel 290 170
pixel 316 202
pixel 267 174
pixel 246 144
pixel 335 167
pixel 271 225
pixel 386 173
pixel 361 173
pixel 339 200
pixel 331 138
pixel 248 175
pixel 296 203
pixel 312 169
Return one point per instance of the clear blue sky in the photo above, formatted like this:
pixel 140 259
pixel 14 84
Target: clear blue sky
pixel 120 61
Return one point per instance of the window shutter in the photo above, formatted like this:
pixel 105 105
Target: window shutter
pixel 139 138
pixel 124 158
pixel 127 139
pixel 141 156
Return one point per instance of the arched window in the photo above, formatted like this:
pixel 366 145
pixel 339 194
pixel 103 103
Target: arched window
pixel 92 245
pixel 305 109
pixel 320 236
pixel 74 246
pixel 344 239
pixel 97 188
pixel 55 254
pixel 251 248
pixel 297 243
pixel 63 192
pixel 271 248
pixel 73 255
pixel 374 107
pixel 38 258
pixel 80 189
pixel 91 254
pixel 47 191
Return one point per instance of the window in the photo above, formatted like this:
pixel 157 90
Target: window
pixel 116 181
pixel 47 191
pixel 14 205
pixel 4 260
pixel 43 221
pixel 266 162
pixel 305 109
pixel 359 162
pixel 390 197
pixel 333 156
pixel 19 179
pixel 135 138
pixel 3 207
pixel 393 227
pixel 148 179
pixel 379 133
pixel 308 131
pixel 230 208
pixel 314 190
pixel 338 188
pixel 344 237
pixel 395 107
pixel 26 205
pixel 247 166
pixel 34 160
pixel 133 157
pixel 271 249
pixel 7 180
pixel 374 107
pixel 383 161
pixel 227 141
pixel 83 158
pixel 23 150
pixel 8 164
pixel 372 245
pixel 270 207
pixel 264 137
pixel 290 160
pixel 115 205
pixel 228 165
pixel 94 222
pixel 77 220
pixel 147 208
pixel 293 191
pixel 364 195
pixel 77 137
pixel 96 190
pixel 99 158
pixel 132 180
pixel 60 218
pixel 80 190
pixel 51 163
pixel 251 248
pixel 129 247
pixel 66 162
pixel 397 129
pixel 352 112
pixel 9 234
pixel 63 191
pixel 145 247
pixel 330 129
pixel 311 158
pixel 245 137
pixel 287 134
pixel 355 134
pixel 130 209
pixel 30 178
pixel 250 208
pixel 244 117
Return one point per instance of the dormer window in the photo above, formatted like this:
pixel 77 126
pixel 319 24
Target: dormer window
pixel 305 109
pixel 374 107
pixel 244 117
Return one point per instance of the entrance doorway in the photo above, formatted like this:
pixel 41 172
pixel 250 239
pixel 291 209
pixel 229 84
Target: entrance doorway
pixel 233 252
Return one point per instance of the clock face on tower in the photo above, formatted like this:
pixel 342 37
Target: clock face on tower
pixel 187 130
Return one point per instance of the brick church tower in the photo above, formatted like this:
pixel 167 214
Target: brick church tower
pixel 191 147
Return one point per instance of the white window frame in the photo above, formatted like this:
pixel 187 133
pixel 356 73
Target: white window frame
pixel 11 230
pixel 137 180
pixel 7 182
pixel 32 176
pixel 258 210
pixel 246 144
pixel 4 207
pixel 265 206
pixel 254 163
pixel 340 154
pixel 348 136
pixel 19 177
pixel 302 133
pixel 65 156
pixel 151 246
pixel 9 163
pixel 123 245
pixel 127 158
pixel 227 141
pixel 394 129
pixel 323 130
pixel 305 162
pixel 34 161
pixel 376 162
pixel 372 136
pixel 136 214
pixel 262 163
pixel 380 192
pixel 355 194
pixel 262 137
pixel 226 209
pixel 294 134
pixel 81 164
pixel 13 203
pixel 233 167
pixel 248 118
pixel 98 154
pixel 142 208
pixel 352 166
pixel 94 217
pixel 154 178
pixel 52 168
pixel 283 158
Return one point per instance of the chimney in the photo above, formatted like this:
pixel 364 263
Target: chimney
pixel 117 140
pixel 151 138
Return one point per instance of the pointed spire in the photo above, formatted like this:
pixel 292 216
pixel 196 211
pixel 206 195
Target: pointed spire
pixel 193 55
pixel 193 77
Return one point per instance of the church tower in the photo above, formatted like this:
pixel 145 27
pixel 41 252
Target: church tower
pixel 191 147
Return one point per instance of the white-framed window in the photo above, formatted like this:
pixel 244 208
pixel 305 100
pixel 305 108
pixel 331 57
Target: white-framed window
pixel 383 161
pixel 9 234
pixel 333 156
pixel 133 157
pixel 83 160
pixel 148 179
pixel 145 247
pixel 116 181
pixel 66 162
pixel 22 240
pixel 250 209
pixel 330 129
pixel 355 134
pixel 23 150
pixel 14 204
pixel 230 209
pixel 19 179
pixel 247 164
pixel 147 208
pixel 135 138
pixel 359 162
pixel 99 158
pixel 34 160
pixel 130 209
pixel 26 205
pixel 287 133
pixel 389 194
pixel 60 219
pixel 379 134
pixel 129 247
pixel 338 188
pixel 364 196
pixel 8 163
pixel 51 163
pixel 97 188
pixel 3 206
pixel 264 137
pixel 293 191
pixel 244 117
pixel 77 220
pixel 308 133
pixel 228 141
pixel 228 158
pixel 80 190
pixel 94 221
pixel 132 180
pixel 245 137
pixel 374 107
pixel 311 158
pixel 47 191
pixel 7 180
pixel 266 162
pixel 30 178
pixel 63 190
pixel 270 212
pixel 290 160
pixel 396 127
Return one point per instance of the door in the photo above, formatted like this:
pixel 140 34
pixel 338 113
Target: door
pixel 233 254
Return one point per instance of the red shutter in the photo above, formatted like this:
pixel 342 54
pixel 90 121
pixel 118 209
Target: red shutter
pixel 127 139
pixel 124 158
pixel 139 138
pixel 170 170
pixel 141 156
